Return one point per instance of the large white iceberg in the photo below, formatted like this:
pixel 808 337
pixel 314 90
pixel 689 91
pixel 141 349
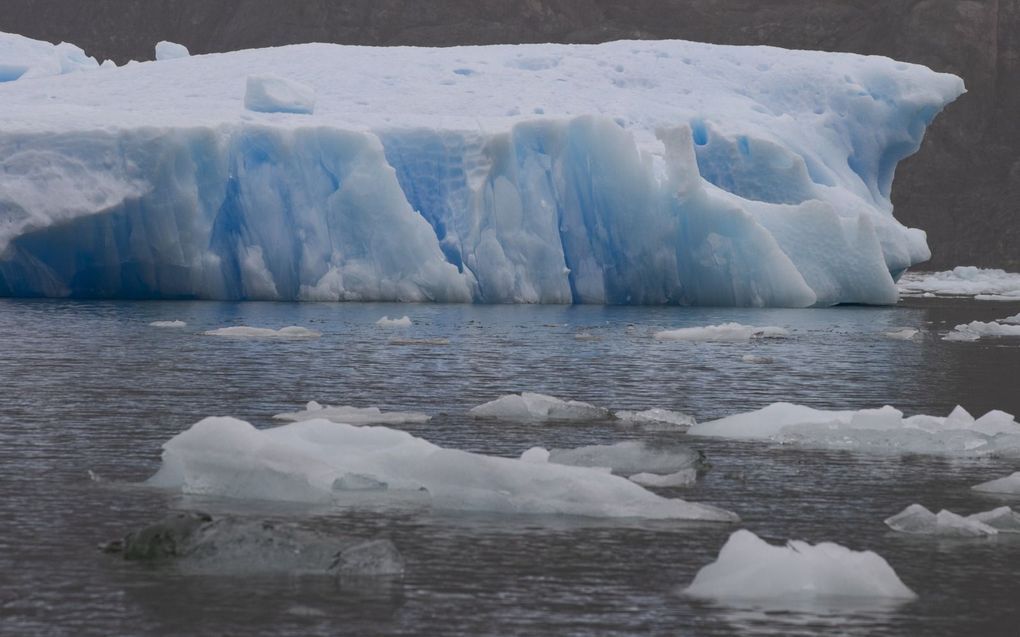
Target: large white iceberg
pixel 626 172
pixel 317 461
pixel 884 430
pixel 751 569
pixel 23 58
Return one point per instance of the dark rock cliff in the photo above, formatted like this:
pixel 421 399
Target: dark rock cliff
pixel 963 187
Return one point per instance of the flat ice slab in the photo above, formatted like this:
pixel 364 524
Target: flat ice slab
pixel 727 332
pixel 751 569
pixel 244 331
pixel 982 284
pixel 653 172
pixel 884 430
pixel 353 415
pixel 318 461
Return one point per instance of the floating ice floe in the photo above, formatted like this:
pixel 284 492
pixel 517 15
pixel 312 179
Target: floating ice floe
pixel 630 458
pixel 23 58
pixel 242 331
pixel 873 430
pixel 171 51
pixel 419 341
pixel 918 520
pixel 353 415
pixel 168 324
pixel 657 418
pixel 275 94
pixel 747 176
pixel 982 284
pixel 529 406
pixel 1010 485
pixel 682 478
pixel 388 322
pixel 976 330
pixel 750 569
pixel 905 334
pixel 727 332
pixel 303 462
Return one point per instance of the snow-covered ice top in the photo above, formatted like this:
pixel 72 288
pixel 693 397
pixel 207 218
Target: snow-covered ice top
pixel 23 58
pixel 883 430
pixel 316 460
pixel 275 94
pixel 982 284
pixel 750 569
pixel 625 172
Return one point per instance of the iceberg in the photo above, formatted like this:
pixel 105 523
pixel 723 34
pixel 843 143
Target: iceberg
pixel 884 430
pixel 1010 485
pixel 23 58
pixel 318 461
pixel 353 415
pixel 751 569
pixel 630 172
pixel 976 330
pixel 530 407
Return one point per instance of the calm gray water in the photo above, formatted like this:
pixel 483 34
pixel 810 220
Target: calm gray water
pixel 90 386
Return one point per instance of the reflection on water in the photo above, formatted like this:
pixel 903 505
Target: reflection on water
pixel 91 386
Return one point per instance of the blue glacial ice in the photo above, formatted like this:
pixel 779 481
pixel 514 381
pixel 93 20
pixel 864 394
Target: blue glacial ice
pixel 23 58
pixel 629 172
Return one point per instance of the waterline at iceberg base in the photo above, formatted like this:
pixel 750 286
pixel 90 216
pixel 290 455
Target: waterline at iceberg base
pixel 624 173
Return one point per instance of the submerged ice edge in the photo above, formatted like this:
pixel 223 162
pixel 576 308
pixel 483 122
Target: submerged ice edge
pixel 778 203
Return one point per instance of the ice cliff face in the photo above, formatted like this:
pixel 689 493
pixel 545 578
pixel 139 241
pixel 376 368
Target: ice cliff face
pixel 628 172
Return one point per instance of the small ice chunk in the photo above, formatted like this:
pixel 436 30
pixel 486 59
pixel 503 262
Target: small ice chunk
pixel 748 568
pixel 1009 485
pixel 243 331
pixel 168 324
pixel 1002 519
pixel 727 332
pixel 274 94
pixel 657 417
pixel 905 334
pixel 354 415
pixel 529 406
pixel 536 454
pixel 918 520
pixel 682 478
pixel 171 51
pixel 388 322
pixel 630 458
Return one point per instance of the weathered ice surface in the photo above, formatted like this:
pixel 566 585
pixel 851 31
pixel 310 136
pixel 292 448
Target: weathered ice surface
pixel 197 543
pixel 962 188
